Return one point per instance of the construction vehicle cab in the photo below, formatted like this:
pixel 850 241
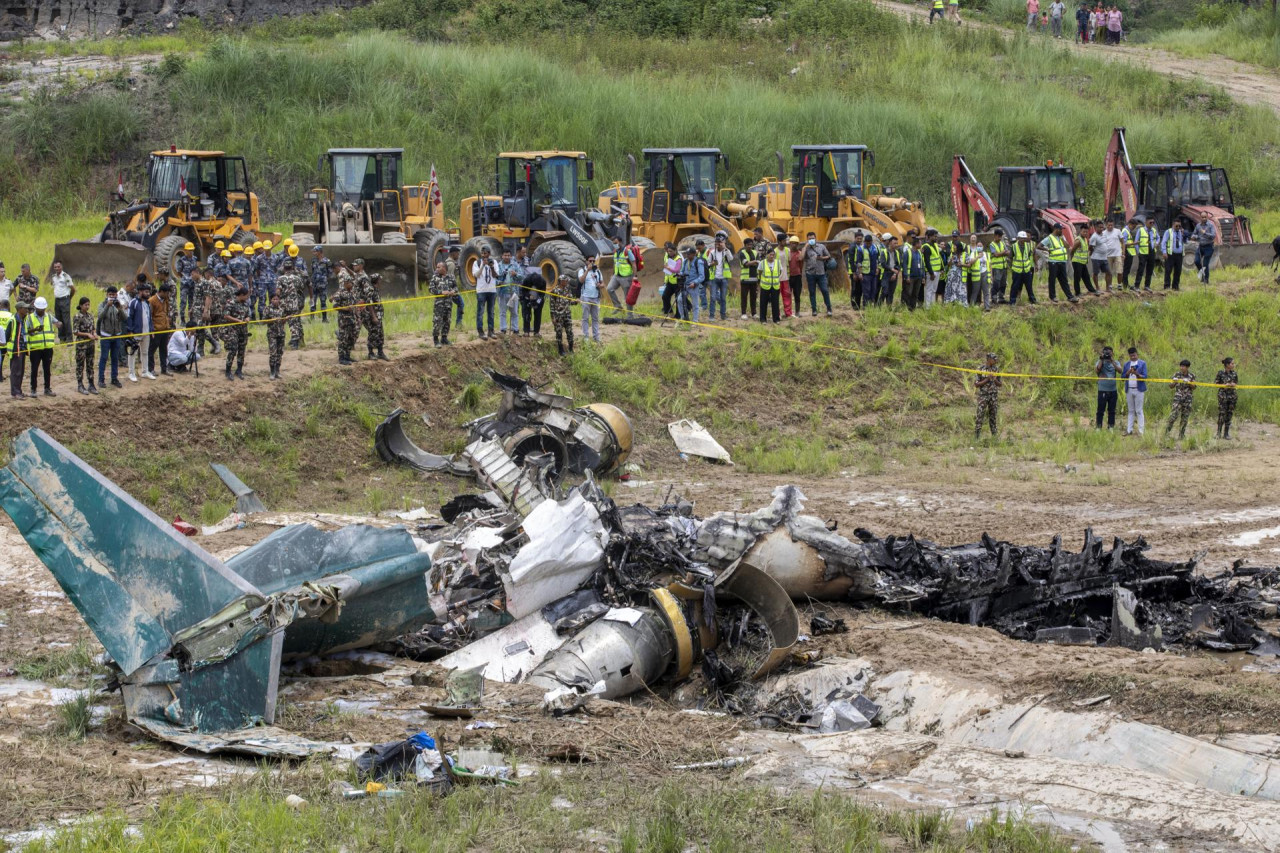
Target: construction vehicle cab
pixel 1031 198
pixel 828 193
pixel 363 210
pixel 192 196
pixel 539 203
pixel 1173 192
pixel 677 199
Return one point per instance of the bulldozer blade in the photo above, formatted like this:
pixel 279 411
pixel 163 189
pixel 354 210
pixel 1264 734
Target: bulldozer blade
pixel 396 262
pixel 103 262
pixel 1241 256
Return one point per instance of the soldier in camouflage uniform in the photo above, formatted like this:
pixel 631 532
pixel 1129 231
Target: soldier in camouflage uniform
pixel 275 316
pixel 240 270
pixel 26 286
pixel 1226 396
pixel 84 333
pixel 200 297
pixel 236 336
pixel 988 385
pixel 184 267
pixel 562 312
pixel 1183 387
pixel 454 268
pixel 372 316
pixel 344 301
pixel 321 267
pixel 443 287
pixel 264 281
pixel 292 291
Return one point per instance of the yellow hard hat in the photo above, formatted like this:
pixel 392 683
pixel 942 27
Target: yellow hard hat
pixel 293 251
pixel 225 253
pixel 219 245
pixel 288 241
pixel 249 251
pixel 188 246
pixel 266 244
pixel 257 244
pixel 236 247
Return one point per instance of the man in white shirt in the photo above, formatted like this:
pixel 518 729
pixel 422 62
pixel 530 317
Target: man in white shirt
pixel 484 270
pixel 6 286
pixel 182 350
pixel 1056 10
pixel 718 268
pixel 1105 251
pixel 63 289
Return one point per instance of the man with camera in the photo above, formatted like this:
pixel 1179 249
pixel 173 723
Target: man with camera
pixel 1106 370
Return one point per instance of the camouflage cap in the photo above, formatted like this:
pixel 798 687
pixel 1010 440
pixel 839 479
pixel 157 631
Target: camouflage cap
pixel 358 262
pixel 24 306
pixel 993 356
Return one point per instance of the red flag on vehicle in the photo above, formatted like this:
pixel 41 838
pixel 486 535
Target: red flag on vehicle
pixel 120 184
pixel 182 185
pixel 434 189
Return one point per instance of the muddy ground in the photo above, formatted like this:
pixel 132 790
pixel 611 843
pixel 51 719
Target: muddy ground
pixel 1223 503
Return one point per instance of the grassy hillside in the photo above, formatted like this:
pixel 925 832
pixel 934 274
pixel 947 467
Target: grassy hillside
pixel 839 71
pixel 1247 35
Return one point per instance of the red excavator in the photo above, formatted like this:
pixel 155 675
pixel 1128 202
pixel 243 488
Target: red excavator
pixel 1173 192
pixel 1032 199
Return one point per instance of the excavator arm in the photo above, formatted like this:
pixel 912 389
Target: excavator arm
pixel 1118 178
pixel 968 196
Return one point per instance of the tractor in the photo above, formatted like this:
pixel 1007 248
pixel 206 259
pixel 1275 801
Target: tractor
pixel 540 204
pixel 364 211
pixel 192 196
pixel 1173 192
pixel 1032 199
pixel 679 199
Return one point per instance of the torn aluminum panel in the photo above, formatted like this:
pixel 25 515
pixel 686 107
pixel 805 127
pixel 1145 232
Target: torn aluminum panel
pixel 566 546
pixel 258 741
pixel 692 439
pixel 511 652
pixel 198 643
pixel 393 445
pixel 766 597
pixel 247 500
pixel 499 472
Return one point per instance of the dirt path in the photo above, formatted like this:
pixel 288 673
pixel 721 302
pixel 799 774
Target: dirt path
pixel 1249 84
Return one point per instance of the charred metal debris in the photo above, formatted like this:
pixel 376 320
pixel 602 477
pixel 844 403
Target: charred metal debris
pixel 563 588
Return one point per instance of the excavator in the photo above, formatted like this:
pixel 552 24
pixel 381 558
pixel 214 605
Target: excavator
pixel 1177 192
pixel 540 204
pixel 1032 199
pixel 363 211
pixel 192 196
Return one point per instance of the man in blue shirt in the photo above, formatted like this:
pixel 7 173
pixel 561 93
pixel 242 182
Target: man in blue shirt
pixel 1107 370
pixel 695 278
pixel 1171 246
pixel 1134 373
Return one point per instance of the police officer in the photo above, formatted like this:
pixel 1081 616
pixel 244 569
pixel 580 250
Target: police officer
pixel 998 265
pixel 1022 265
pixel 184 267
pixel 321 267
pixel 1054 249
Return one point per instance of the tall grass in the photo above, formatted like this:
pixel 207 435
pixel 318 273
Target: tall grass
pixel 1247 35
pixel 843 71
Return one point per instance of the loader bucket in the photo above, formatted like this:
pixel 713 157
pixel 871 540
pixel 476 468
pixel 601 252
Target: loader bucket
pixel 396 262
pixel 103 262
pixel 1240 256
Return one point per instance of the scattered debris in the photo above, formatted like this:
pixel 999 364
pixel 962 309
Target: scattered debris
pixel 247 500
pixel 692 440
pixel 820 625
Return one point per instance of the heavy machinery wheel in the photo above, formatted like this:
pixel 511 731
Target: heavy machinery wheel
pixel 471 251
pixel 432 246
pixel 692 242
pixel 244 238
pixel 1010 228
pixel 303 239
pixel 558 257
pixel 849 236
pixel 394 238
pixel 643 243
pixel 166 250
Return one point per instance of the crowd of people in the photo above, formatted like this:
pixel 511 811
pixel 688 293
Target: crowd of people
pixel 1094 24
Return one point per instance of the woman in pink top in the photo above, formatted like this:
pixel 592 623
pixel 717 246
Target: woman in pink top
pixel 1033 13
pixel 1114 17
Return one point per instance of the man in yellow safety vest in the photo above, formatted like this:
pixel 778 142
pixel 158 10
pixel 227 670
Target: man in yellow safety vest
pixel 939 9
pixel 42 334
pixel 772 273
pixel 998 265
pixel 1147 241
pixel 1023 266
pixel 1054 250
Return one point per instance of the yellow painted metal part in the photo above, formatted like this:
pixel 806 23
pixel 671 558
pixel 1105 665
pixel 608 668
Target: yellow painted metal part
pixel 679 629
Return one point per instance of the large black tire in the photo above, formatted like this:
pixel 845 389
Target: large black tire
pixel 166 250
pixel 433 245
pixel 1011 228
pixel 243 237
pixel 692 240
pixel 471 251
pixel 556 258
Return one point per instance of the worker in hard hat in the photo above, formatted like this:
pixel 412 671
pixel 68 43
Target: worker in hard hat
pixel 184 267
pixel 240 268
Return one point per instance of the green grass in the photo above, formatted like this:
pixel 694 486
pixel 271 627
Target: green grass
pixel 1246 35
pixel 75 716
pixel 454 104
pixel 56 664
pixel 617 813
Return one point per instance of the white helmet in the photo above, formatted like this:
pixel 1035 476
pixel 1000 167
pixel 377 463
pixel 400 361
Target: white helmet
pixel 1022 235
pixel 41 303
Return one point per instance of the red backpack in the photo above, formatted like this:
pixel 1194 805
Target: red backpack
pixel 636 255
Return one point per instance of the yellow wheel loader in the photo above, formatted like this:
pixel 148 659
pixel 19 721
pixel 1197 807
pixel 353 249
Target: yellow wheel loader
pixel 192 196
pixel 540 204
pixel 827 194
pixel 363 211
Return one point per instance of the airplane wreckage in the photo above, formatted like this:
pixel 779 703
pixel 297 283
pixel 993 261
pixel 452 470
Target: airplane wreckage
pixel 556 586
